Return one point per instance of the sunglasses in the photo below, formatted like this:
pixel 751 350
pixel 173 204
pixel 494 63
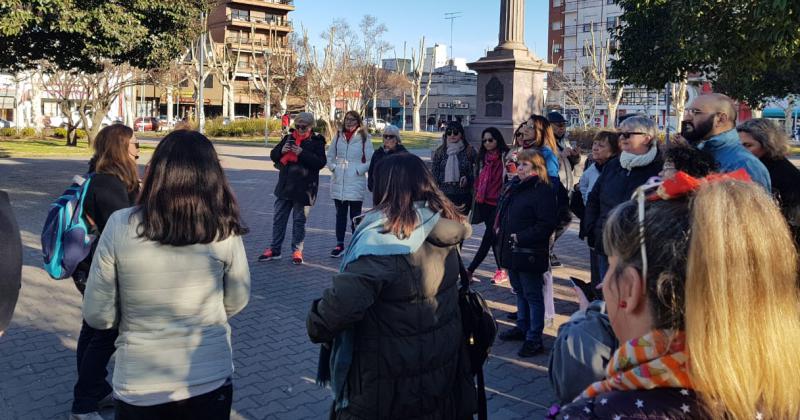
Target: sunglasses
pixel 489 140
pixel 452 133
pixel 389 137
pixel 628 134
pixel 301 127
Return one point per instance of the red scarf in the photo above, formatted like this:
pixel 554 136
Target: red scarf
pixel 348 134
pixel 290 156
pixel 490 179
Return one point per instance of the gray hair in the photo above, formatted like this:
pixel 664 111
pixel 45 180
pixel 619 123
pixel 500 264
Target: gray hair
pixel 642 124
pixel 392 131
pixel 305 117
pixel 769 134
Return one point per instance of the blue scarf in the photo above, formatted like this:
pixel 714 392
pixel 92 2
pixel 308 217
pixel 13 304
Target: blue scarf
pixel 368 239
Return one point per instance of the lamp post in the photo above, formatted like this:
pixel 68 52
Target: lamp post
pixel 267 110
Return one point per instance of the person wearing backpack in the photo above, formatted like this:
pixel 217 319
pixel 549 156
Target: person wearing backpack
pixel 391 317
pixel 349 156
pixel 114 186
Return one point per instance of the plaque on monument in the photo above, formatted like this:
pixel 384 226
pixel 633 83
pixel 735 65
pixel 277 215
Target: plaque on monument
pixel 494 109
pixel 494 90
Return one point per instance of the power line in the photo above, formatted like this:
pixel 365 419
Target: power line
pixel 451 16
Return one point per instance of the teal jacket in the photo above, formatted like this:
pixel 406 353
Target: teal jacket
pixel 729 153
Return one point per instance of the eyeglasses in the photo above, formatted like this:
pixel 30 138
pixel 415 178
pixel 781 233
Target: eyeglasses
pixel 489 140
pixel 351 119
pixel 301 127
pixel 452 133
pixel 389 137
pixel 628 134
pixel 694 111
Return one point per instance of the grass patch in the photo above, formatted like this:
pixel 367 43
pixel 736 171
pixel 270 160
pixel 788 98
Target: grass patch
pixel 43 147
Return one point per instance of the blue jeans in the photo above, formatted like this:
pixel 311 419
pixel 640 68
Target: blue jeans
pixel 281 217
pixel 602 265
pixel 530 303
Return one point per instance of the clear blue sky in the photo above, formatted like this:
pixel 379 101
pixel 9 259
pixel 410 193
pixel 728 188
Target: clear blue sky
pixel 408 20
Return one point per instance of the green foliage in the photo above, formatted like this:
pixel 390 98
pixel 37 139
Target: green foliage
pixel 79 34
pixel 60 133
pixel 750 49
pixel 27 132
pixel 81 133
pixel 8 132
pixel 239 128
pixel 583 136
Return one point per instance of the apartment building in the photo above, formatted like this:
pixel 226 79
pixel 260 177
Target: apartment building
pixel 572 26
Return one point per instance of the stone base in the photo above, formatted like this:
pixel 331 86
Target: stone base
pixel 518 95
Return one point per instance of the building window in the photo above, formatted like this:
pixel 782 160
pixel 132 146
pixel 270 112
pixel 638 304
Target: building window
pixel 587 27
pixel 556 48
pixel 610 1
pixel 240 14
pixel 557 3
pixel 184 83
pixel 557 26
pixel 612 22
pixel 209 82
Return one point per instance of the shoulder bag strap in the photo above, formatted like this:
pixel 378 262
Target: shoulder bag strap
pixel 482 407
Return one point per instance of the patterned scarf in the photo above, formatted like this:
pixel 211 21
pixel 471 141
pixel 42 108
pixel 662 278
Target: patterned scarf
pixel 490 179
pixel 657 359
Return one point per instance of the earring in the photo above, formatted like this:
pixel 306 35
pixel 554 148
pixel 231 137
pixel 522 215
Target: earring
pixel 623 304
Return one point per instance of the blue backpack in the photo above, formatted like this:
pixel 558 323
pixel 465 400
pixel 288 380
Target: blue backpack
pixel 66 237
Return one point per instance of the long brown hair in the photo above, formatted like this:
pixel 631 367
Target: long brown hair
pixel 186 198
pixel 400 180
pixel 111 155
pixel 723 267
pixel 543 133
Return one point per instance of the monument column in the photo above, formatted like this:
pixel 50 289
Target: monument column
pixel 510 78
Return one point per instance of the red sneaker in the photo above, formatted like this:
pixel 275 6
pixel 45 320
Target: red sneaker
pixel 297 257
pixel 269 255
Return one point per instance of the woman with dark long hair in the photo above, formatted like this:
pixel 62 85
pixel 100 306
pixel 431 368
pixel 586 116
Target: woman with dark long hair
pixel 452 166
pixel 391 315
pixel 169 273
pixel 489 182
pixel 114 186
pixel 349 157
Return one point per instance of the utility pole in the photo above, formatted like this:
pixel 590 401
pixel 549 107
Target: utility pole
pixel 267 110
pixel 667 118
pixel 451 16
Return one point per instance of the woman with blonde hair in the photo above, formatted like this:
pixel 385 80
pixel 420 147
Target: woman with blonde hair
pixel 526 217
pixel 702 293
pixel 114 186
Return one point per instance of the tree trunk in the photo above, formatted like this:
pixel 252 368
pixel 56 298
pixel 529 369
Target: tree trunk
pixel 788 115
pixel 225 111
pixel 284 102
pixel 611 121
pixel 415 117
pixel 375 106
pixel 170 113
pixel 231 100
pixel 97 122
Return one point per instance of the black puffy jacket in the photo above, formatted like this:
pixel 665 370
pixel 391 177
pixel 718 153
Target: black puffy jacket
pixel 528 209
pixel 614 186
pixel 299 181
pixel 409 358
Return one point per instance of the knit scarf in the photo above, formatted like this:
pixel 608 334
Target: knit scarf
pixel 629 160
pixel 490 179
pixel 452 174
pixel 298 138
pixel 658 359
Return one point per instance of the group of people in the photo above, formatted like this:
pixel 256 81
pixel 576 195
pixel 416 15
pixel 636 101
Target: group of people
pixel 693 253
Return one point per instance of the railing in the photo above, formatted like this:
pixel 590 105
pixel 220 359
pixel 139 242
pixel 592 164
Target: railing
pixel 266 20
pixel 246 41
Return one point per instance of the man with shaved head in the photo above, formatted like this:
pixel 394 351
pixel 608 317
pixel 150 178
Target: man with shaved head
pixel 709 124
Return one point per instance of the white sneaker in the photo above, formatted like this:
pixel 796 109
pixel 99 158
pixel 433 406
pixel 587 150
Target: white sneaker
pixel 94 415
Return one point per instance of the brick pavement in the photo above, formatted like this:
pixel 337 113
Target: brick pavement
pixel 275 363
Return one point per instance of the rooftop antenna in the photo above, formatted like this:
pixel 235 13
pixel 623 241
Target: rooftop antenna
pixel 451 16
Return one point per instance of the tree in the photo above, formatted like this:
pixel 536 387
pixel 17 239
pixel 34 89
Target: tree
pixel 749 49
pixel 417 82
pixel 599 52
pixel 80 35
pixel 169 78
pixel 286 71
pixel 579 93
pixel 372 50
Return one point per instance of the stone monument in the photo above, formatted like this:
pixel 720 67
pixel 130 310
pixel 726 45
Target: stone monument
pixel 510 78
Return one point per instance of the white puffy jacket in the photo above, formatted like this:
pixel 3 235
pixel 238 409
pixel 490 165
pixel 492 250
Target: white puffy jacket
pixel 349 163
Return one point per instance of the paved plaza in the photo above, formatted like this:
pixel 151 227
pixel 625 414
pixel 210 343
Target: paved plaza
pixel 274 360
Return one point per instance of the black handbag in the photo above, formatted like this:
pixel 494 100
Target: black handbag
pixel 529 260
pixel 479 330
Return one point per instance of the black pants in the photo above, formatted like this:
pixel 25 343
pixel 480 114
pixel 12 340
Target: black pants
pixel 95 348
pixel 462 201
pixel 215 405
pixel 342 208
pixel 487 212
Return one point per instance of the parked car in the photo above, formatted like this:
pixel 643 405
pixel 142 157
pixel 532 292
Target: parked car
pixel 227 120
pixel 7 123
pixel 378 124
pixel 146 124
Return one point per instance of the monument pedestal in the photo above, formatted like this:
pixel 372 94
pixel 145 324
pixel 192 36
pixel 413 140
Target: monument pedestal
pixel 510 79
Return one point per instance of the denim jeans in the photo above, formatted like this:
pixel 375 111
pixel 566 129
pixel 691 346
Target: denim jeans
pixel 281 217
pixel 215 405
pixel 530 303
pixel 595 264
pixel 95 348
pixel 342 208
pixel 602 265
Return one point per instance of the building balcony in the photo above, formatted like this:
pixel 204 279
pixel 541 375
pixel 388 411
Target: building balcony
pixel 268 23
pixel 287 5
